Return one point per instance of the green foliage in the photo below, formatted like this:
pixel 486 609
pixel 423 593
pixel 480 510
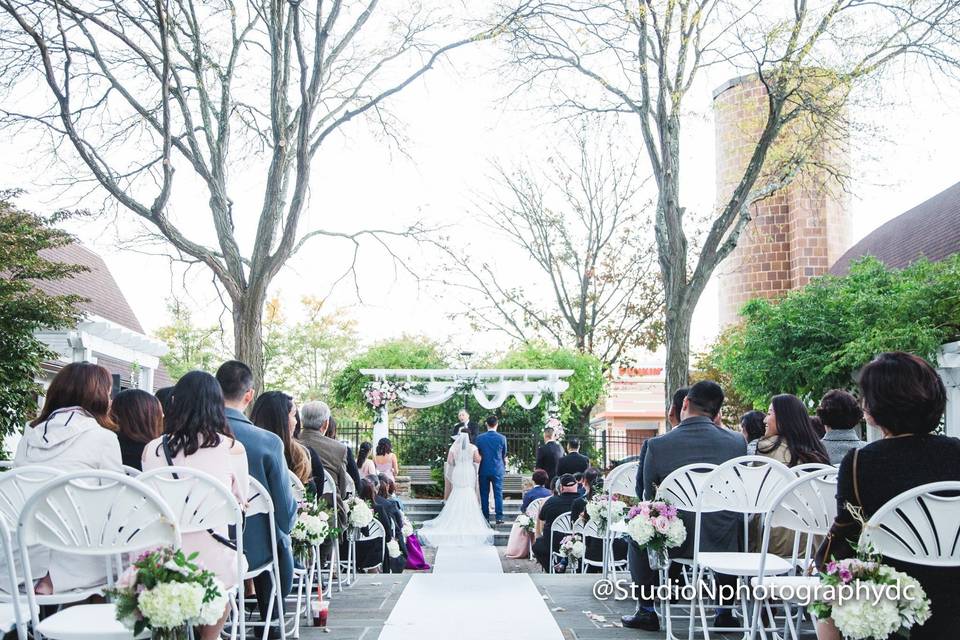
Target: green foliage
pixel 346 389
pixel 24 309
pixel 190 347
pixel 818 337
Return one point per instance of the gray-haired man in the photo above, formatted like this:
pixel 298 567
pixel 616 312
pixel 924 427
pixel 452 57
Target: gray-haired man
pixel 314 420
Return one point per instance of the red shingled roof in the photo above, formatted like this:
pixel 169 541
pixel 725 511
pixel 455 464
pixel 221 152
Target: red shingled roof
pixel 97 285
pixel 931 230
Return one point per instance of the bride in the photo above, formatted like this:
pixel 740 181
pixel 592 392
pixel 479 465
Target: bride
pixel 460 522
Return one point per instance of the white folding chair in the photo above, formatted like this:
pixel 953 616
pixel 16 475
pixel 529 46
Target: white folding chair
pixel 919 526
pixel 260 502
pixel 304 577
pixel 589 531
pixel 131 472
pixel 533 511
pixel 808 506
pixel 200 502
pixel 681 488
pixel 810 466
pixel 96 514
pixel 299 491
pixel 621 481
pixel 746 485
pixel 561 526
pixel 12 612
pixel 375 530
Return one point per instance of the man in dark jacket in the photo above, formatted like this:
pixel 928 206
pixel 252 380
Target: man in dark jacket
pixel 266 464
pixel 574 462
pixel 548 455
pixel 553 507
pixel 696 439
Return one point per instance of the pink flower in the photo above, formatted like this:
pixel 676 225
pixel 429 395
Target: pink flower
pixel 669 511
pixel 661 524
pixel 845 575
pixel 127 579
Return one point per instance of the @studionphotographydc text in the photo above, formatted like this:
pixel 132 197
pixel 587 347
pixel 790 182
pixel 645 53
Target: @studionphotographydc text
pixel 804 594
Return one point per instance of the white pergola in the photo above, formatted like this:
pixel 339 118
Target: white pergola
pixel 489 387
pixel 948 366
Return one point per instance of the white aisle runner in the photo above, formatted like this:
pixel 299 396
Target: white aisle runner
pixel 470 598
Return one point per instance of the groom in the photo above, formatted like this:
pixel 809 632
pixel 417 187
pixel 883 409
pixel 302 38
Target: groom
pixel 493 457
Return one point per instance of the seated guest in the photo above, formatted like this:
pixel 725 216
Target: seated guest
pixel 74 432
pixel 840 414
pixel 266 464
pixel 197 437
pixel 553 507
pixel 392 492
pixel 574 462
pixel 817 425
pixel 315 420
pixel 752 426
pixel 591 482
pixel 164 394
pixel 789 439
pixel 539 490
pixel 390 516
pixel 904 397
pixel 365 464
pixel 549 454
pixel 695 439
pixel 139 419
pixel 352 469
pixel 276 412
pixel 368 553
pixel 368 556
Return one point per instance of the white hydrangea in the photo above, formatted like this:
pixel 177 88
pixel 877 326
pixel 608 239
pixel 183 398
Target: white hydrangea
pixel 361 514
pixel 577 549
pixel 641 530
pixel 310 528
pixel 211 612
pixel 914 605
pixel 676 534
pixel 171 604
pixel 861 619
pixel 393 549
pixel 407 529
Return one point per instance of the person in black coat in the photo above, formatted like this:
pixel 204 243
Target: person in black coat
pixel 387 512
pixel 548 455
pixel 553 507
pixel 464 421
pixel 591 482
pixel 139 419
pixel 574 462
pixel 905 398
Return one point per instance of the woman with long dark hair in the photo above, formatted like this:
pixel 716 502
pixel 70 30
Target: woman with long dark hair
pixel 386 459
pixel 139 419
pixel 276 412
pixel 196 435
pixel 753 427
pixel 74 432
pixel 364 462
pixel 790 437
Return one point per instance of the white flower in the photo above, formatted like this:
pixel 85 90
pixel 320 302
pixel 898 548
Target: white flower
pixel 676 534
pixel 323 515
pixel 407 529
pixel 360 513
pixel 310 528
pixel 577 549
pixel 211 612
pixel 170 565
pixel 393 549
pixel 171 604
pixel 862 619
pixel 641 530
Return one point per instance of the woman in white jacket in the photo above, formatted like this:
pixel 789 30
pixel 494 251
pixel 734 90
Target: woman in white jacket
pixel 72 433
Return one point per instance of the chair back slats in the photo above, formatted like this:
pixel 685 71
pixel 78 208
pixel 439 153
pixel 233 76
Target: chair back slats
pixel 299 491
pixel 683 486
pixel 258 499
pixel 561 524
pixel 17 486
pixel 747 484
pixel 374 530
pixel 920 526
pixel 199 501
pixel 533 509
pixel 622 480
pixel 809 504
pixel 97 513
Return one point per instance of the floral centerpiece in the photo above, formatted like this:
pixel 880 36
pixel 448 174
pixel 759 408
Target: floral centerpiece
pixel 655 525
pixel 166 592
pixel 603 505
pixel 382 393
pixel 359 513
pixel 868 599
pixel 312 527
pixel 572 548
pixel 526 523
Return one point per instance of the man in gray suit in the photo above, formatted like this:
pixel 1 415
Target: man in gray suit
pixel 696 439
pixel 315 419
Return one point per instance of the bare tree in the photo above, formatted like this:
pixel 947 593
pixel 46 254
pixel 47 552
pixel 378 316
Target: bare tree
pixel 142 91
pixel 583 226
pixel 640 59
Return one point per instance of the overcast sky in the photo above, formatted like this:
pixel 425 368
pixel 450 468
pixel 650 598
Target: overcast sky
pixel 456 123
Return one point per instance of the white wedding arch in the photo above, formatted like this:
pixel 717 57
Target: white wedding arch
pixel 489 387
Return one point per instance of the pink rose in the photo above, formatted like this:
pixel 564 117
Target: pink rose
pixel 661 524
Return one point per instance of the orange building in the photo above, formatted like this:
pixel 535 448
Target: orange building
pixel 631 412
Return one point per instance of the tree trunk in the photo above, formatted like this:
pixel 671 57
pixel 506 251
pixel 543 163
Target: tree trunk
pixel 248 336
pixel 679 318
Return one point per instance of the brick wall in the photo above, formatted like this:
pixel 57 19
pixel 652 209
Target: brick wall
pixel 796 234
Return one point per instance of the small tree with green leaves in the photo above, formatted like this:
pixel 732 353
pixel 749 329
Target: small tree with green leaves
pixel 24 309
pixel 190 347
pixel 817 338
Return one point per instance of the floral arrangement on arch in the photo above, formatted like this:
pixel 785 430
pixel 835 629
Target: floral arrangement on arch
pixel 464 386
pixel 554 422
pixel 383 393
pixel 879 601
pixel 601 505
pixel 166 592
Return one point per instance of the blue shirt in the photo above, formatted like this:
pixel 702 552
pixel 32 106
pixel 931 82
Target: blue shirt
pixel 534 494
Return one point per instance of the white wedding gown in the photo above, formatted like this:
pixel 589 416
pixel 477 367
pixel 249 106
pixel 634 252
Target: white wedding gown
pixel 460 522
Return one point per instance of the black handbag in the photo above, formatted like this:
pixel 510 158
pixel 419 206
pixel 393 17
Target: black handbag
pixel 836 545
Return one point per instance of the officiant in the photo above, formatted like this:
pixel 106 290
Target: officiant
pixel 465 421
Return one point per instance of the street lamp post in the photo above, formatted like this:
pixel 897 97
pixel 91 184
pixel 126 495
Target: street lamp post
pixel 465 356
